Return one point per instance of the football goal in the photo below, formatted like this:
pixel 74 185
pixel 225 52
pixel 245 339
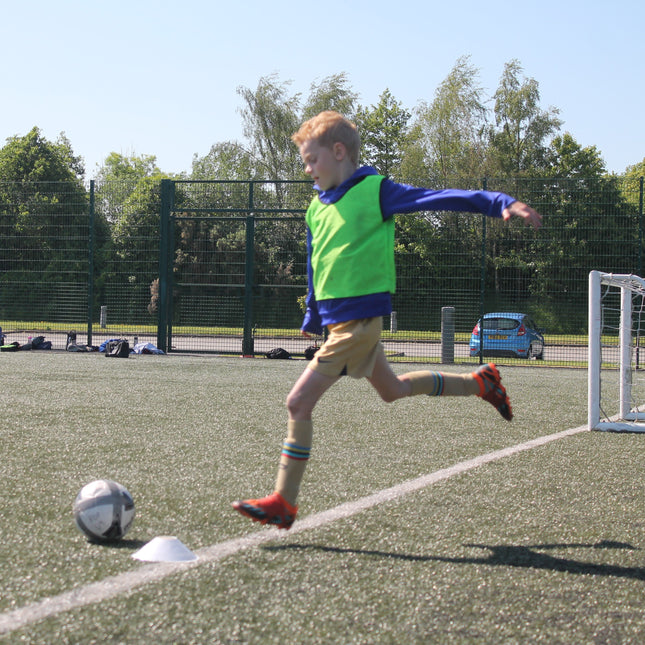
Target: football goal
pixel 616 384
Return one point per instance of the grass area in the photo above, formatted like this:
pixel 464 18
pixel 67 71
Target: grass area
pixel 545 546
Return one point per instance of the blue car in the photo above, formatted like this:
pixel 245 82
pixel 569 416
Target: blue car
pixel 508 334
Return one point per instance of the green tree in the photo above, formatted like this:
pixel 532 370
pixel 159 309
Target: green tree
pixel 44 225
pixel 332 93
pixel 588 218
pixel 519 147
pixel 209 249
pixel 445 147
pixel 225 161
pixel 118 167
pixel 565 157
pixel 270 116
pixel 522 132
pixel 636 171
pixel 128 197
pixel 118 177
pixel 633 184
pixel 383 129
pixel 451 129
pixel 33 158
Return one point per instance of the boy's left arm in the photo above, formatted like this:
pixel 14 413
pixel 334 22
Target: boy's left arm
pixel 520 209
pixel 401 198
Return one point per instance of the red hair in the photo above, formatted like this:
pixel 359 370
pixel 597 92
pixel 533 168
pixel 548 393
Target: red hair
pixel 328 128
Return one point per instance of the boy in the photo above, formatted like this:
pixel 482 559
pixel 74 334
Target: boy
pixel 350 240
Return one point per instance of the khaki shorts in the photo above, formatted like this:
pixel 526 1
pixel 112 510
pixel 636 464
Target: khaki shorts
pixel 350 349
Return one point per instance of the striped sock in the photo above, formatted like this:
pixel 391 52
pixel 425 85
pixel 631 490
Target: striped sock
pixel 442 384
pixel 430 383
pixel 296 449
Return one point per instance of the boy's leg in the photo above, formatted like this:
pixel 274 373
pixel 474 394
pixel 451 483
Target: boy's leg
pixel 306 393
pixel 296 447
pixel 293 459
pixel 484 382
pixel 280 508
pixel 392 387
pixel 389 386
pixel 442 383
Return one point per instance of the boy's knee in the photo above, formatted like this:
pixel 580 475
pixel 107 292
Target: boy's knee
pixel 291 403
pixel 389 396
pixel 391 390
pixel 295 404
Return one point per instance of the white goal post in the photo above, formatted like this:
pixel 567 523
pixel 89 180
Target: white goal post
pixel 614 324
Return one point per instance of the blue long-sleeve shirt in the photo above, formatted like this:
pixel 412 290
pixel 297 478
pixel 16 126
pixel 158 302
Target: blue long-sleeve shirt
pixel 394 198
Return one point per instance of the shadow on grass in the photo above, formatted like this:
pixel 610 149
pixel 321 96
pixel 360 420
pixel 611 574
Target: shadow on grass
pixel 504 555
pixel 119 544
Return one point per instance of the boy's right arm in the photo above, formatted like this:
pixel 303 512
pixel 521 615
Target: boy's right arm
pixel 312 323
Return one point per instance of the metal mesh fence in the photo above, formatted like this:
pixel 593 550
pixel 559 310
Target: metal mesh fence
pixel 44 233
pixel 126 256
pixel 221 266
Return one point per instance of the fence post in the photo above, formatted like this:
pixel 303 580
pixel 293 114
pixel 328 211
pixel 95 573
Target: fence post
pixel 447 335
pixel 164 250
pixel 248 349
pixel 640 227
pixel 90 262
pixel 482 287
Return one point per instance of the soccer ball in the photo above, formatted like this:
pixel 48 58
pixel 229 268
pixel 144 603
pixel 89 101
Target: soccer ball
pixel 103 510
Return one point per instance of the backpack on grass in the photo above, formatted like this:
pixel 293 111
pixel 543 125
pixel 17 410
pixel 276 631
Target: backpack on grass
pixel 278 352
pixel 310 352
pixel 117 348
pixel 39 342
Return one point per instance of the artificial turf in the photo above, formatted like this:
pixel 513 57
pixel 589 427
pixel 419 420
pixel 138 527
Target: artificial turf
pixel 545 546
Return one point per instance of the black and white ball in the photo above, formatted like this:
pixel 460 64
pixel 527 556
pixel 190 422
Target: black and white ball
pixel 104 510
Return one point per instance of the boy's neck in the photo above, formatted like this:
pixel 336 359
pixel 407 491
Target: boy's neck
pixel 346 171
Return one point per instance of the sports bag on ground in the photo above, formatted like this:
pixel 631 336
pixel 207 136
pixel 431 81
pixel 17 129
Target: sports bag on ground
pixel 310 352
pixel 118 348
pixel 278 352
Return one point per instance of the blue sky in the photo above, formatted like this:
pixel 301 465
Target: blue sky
pixel 160 78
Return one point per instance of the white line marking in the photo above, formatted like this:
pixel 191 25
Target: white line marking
pixel 124 582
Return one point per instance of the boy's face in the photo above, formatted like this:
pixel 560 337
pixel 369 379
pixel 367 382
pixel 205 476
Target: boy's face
pixel 324 165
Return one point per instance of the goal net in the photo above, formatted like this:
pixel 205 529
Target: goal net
pixel 616 387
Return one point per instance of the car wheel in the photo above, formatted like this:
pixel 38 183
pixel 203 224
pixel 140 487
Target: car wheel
pixel 531 353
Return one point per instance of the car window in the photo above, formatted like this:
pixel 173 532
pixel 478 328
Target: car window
pixel 501 323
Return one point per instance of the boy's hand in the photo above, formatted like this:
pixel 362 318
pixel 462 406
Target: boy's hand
pixel 528 214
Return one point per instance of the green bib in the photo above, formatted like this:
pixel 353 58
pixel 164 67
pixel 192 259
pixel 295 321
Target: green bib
pixel 352 251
